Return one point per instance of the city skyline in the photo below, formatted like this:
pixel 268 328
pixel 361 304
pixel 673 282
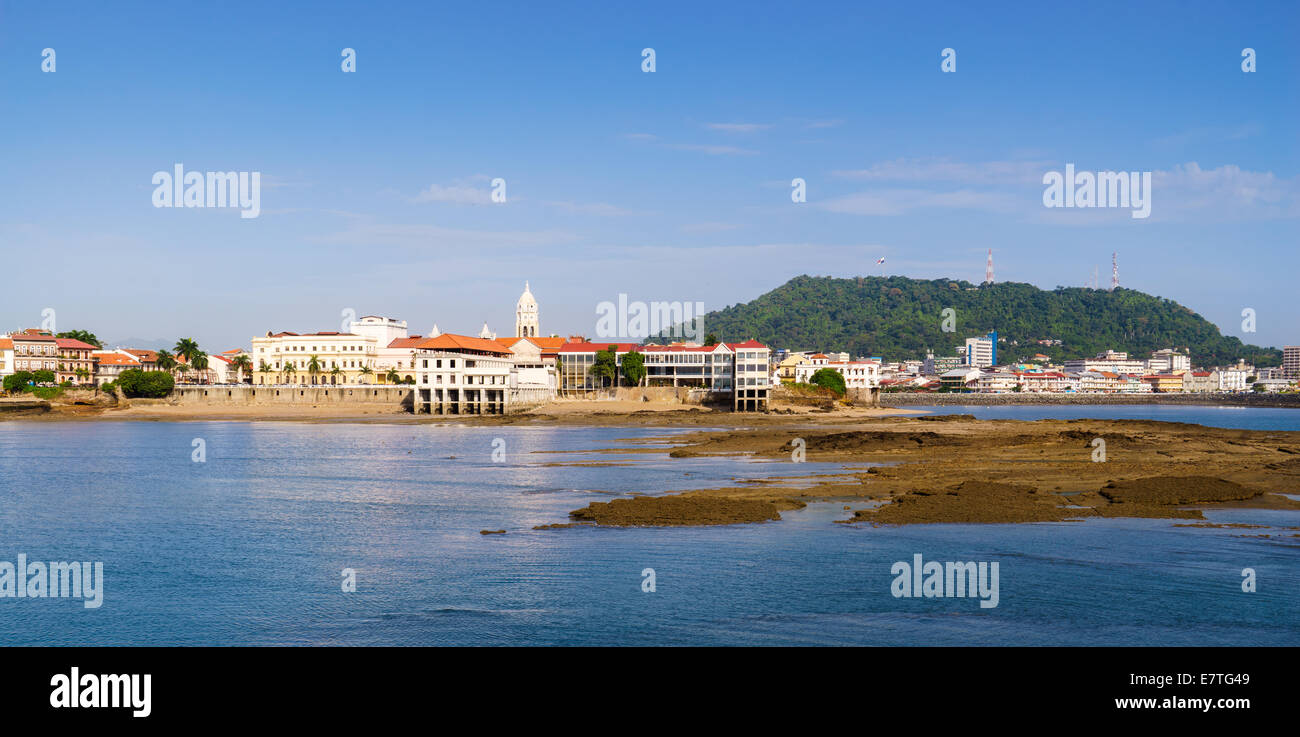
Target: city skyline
pixel 376 186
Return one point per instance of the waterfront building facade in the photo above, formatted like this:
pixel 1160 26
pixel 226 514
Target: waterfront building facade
pixel 313 359
pixel 737 369
pixel 460 374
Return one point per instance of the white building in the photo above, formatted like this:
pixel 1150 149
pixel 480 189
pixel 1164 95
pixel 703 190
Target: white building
pixel 981 351
pixel 6 357
pixel 527 321
pixel 383 330
pixel 857 374
pixel 1232 380
pixel 1113 361
pixel 1167 360
pixel 459 374
pixel 287 358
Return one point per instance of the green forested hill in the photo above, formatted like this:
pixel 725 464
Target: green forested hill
pixel 899 318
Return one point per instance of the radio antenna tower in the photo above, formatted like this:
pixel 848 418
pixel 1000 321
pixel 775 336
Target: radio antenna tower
pixel 1114 270
pixel 988 270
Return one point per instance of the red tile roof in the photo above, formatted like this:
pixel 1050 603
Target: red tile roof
pixel 71 343
pixel 410 342
pixel 453 342
pixel 6 344
pixel 144 355
pixel 113 358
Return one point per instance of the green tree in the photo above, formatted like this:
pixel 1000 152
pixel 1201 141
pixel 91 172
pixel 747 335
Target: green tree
pixel 200 365
pixel 605 366
pixel 81 372
pixel 313 367
pixel 831 379
pixel 710 339
pixel 43 376
pixel 366 371
pixel 152 384
pixel 242 364
pixel 289 371
pixel 18 381
pixel 186 348
pixel 393 377
pixel 336 372
pixel 165 361
pixel 634 368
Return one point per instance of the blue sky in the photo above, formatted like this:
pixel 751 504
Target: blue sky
pixel 666 186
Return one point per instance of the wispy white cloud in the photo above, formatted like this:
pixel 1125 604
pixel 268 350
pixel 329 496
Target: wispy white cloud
pixel 1183 193
pixel 594 208
pixel 947 170
pixel 712 150
pixel 710 227
pixel 461 194
pixel 419 236
pixel 738 127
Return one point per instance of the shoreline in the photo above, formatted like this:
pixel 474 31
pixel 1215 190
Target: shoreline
pixel 602 412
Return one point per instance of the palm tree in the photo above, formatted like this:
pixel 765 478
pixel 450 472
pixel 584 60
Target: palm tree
pixel 264 369
pixel 392 376
pixel 200 364
pixel 242 364
pixel 314 367
pixel 290 370
pixel 165 361
pixel 187 348
pixel 335 372
pixel 365 372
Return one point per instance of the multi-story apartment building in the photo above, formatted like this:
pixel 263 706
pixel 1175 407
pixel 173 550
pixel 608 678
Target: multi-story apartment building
pixel 935 365
pixel 70 360
pixel 76 361
pixel 1113 361
pixel 1291 361
pixel 35 351
pixel 982 351
pixel 1233 380
pixel 287 358
pixel 1167 360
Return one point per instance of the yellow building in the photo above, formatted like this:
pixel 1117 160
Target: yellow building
pixel 786 368
pixel 1164 383
pixel 314 359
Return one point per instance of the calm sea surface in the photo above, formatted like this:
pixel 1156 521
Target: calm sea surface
pixel 248 547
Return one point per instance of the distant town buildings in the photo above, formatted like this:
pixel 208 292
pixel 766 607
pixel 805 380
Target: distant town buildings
pixel 454 373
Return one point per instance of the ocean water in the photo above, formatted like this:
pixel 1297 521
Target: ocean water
pixel 248 547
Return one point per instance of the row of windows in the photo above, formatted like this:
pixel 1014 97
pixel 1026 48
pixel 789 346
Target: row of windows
pixel 303 348
pixel 451 379
pixel 35 350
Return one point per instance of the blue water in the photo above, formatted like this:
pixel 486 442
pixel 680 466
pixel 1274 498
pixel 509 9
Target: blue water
pixel 247 548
